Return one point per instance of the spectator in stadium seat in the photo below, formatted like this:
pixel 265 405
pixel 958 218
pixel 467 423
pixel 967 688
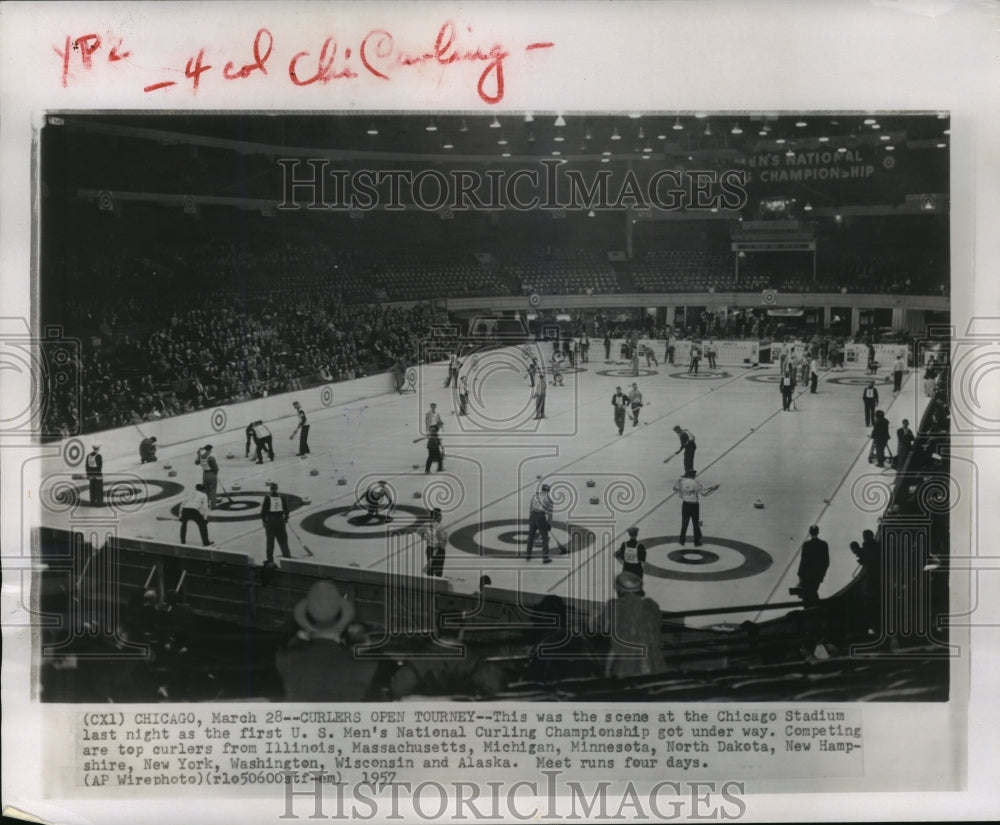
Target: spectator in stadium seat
pixel 633 622
pixel 318 664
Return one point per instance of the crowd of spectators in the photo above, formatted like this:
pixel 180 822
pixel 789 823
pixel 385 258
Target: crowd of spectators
pixel 211 354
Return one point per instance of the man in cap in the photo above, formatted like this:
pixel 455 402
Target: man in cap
pixel 274 514
pixel 318 664
pixel 633 623
pixel 195 508
pixel 540 522
pixel 147 450
pixel 209 474
pixel 632 554
pixel 95 476
pixel 436 538
pixel 302 428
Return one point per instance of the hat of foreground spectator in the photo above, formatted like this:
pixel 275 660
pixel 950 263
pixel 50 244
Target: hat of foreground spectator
pixel 322 608
pixel 628 583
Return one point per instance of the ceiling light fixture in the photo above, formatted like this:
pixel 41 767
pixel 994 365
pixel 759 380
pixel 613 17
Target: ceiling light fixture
pixel 495 124
pixel 823 139
pixel 464 127
pixel 431 127
pixel 615 135
pixel 800 124
pixel 372 130
pixel 528 118
pixel 708 130
pixel 677 125
pixel 736 130
pixel 560 121
pixel 808 207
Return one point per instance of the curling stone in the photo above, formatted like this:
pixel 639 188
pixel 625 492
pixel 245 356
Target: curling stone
pixel 594 500
pixel 167 466
pixel 591 482
pixel 230 455
pixel 306 500
pixel 418 494
pixel 314 472
pixel 415 467
pixel 172 474
pixel 236 485
pixel 759 504
pixel 341 481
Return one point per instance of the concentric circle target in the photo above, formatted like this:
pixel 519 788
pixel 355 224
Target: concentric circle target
pixel 702 375
pixel 124 494
pixel 509 538
pixel 354 522
pixel 627 373
pixel 859 380
pixel 218 419
pixel 763 378
pixel 73 452
pixel 722 560
pixel 326 396
pixel 242 505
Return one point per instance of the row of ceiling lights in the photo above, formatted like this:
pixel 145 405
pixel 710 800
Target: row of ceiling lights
pixel 560 122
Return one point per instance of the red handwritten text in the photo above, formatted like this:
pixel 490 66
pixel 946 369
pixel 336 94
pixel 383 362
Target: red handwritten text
pixel 378 54
pixel 86 46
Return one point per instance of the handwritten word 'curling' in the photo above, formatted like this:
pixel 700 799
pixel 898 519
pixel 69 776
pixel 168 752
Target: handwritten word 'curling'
pixel 379 56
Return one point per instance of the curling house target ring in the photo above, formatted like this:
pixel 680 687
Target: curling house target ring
pixel 219 419
pixel 860 380
pixel 130 492
pixel 628 373
pixel 243 506
pixel 726 561
pixel 764 379
pixel 509 538
pixel 326 396
pixel 331 523
pixel 701 375
pixel 73 452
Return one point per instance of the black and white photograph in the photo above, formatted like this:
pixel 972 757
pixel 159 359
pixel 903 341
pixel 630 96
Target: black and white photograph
pixel 537 406
pixel 544 412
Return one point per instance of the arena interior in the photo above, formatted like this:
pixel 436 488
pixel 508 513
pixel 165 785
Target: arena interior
pixel 746 281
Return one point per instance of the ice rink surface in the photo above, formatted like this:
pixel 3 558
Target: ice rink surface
pixel 806 466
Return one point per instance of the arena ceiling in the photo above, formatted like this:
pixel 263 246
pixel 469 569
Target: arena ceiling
pixel 494 137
